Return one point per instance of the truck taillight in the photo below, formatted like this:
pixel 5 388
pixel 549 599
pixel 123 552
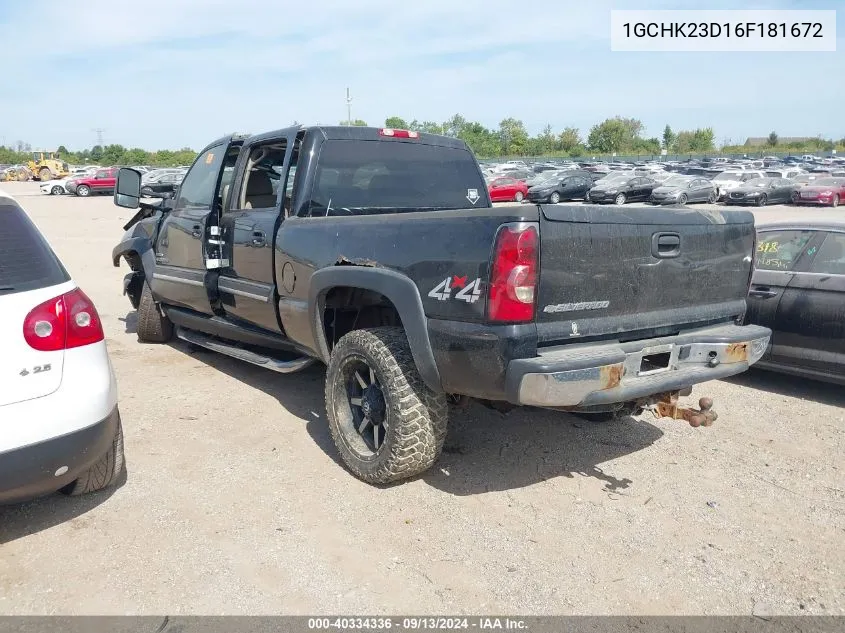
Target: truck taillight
pixel 513 274
pixel 387 131
pixel 64 322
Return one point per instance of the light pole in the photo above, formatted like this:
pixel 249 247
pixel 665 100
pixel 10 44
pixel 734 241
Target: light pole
pixel 348 108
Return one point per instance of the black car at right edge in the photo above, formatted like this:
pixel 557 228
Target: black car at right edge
pixel 378 252
pixel 798 291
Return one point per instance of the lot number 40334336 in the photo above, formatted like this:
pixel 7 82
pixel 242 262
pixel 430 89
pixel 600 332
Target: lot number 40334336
pixel 468 291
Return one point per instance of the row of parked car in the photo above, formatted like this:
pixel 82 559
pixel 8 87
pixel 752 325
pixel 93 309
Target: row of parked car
pixel 89 181
pixel 658 185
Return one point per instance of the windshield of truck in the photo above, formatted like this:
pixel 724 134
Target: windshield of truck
pixel 357 177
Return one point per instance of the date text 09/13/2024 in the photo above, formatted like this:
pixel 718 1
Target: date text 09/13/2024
pixel 416 623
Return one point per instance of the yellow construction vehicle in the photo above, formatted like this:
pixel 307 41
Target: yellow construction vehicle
pixel 47 166
pixel 15 173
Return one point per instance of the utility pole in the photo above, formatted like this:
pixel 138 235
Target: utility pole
pixel 99 132
pixel 348 108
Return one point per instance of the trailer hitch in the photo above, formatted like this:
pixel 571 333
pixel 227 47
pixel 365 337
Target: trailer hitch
pixel 667 407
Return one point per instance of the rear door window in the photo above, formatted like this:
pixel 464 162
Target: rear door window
pixel 779 250
pixel 26 260
pixel 361 177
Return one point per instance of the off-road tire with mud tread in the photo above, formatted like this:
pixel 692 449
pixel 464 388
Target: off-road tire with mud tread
pixel 417 415
pixel 153 326
pixel 105 472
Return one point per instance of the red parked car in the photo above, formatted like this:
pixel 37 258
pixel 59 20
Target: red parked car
pixel 103 181
pixel 507 190
pixel 825 191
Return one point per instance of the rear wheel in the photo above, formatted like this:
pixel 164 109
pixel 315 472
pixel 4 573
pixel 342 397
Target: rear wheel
pixel 712 197
pixel 554 198
pixel 518 196
pixel 45 174
pixel 105 472
pixel 153 326
pixel 83 190
pixel 386 423
pixel 56 191
pixel 620 199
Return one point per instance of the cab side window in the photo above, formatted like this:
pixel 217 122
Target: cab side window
pixel 830 259
pixel 779 250
pixel 263 178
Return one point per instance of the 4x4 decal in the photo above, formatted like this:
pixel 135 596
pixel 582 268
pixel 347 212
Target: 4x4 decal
pixel 468 291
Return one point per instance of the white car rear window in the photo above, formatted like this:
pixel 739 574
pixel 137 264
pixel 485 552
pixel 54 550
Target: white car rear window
pixel 26 260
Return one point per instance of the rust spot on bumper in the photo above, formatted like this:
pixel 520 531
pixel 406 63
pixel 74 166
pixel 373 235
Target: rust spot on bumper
pixel 611 376
pixel 736 352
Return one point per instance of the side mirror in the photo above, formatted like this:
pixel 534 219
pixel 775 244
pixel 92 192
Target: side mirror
pixel 127 190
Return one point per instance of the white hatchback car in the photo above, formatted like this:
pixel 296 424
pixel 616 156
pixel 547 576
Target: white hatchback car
pixel 60 426
pixel 54 187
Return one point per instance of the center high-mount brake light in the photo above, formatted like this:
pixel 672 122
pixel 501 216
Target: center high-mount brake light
pixel 513 275
pixel 386 131
pixel 64 322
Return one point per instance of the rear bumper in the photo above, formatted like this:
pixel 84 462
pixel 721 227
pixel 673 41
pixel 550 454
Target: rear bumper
pixel 821 202
pixel 663 199
pixel 43 468
pixel 580 376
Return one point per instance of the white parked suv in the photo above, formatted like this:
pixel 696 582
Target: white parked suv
pixel 59 421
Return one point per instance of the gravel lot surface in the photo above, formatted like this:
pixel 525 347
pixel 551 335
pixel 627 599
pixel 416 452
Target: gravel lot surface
pixel 235 501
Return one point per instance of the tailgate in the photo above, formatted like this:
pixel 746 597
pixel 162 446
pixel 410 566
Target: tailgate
pixel 637 272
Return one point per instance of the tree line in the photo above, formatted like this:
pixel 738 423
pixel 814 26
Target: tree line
pixel 616 135
pixel 105 155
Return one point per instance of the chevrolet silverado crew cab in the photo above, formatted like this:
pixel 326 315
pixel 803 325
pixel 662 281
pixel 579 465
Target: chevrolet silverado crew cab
pixel 378 253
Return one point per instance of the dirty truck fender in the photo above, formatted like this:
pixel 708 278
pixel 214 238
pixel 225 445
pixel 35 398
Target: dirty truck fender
pixel 399 289
pixel 140 246
pixel 139 254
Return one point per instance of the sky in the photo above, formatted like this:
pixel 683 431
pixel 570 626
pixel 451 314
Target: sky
pixel 175 73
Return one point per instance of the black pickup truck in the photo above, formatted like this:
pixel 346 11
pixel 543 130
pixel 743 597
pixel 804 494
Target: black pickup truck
pixel 379 253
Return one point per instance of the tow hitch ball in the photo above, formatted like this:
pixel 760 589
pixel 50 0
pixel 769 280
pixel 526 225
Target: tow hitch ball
pixel 667 407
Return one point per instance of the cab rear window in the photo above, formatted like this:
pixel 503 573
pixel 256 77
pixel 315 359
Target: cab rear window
pixel 26 260
pixel 363 177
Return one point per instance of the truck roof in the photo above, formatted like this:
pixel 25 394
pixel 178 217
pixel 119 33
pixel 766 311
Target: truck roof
pixel 340 132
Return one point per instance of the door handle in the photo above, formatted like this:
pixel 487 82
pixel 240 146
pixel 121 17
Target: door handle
pixel 665 245
pixel 196 231
pixel 763 292
pixel 259 238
